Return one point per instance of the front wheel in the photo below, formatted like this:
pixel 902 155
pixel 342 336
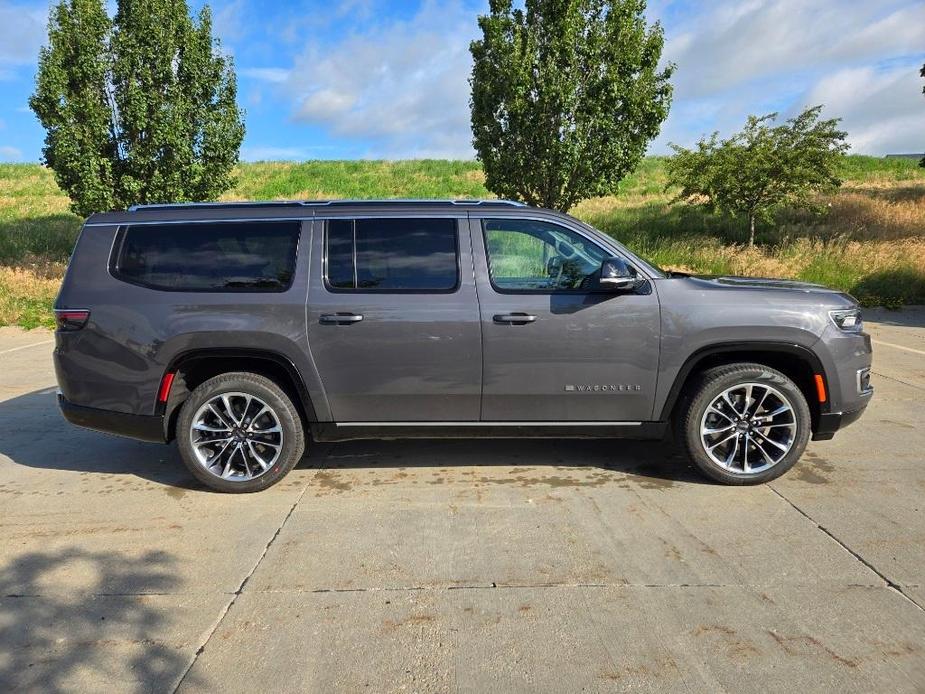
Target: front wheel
pixel 746 424
pixel 239 432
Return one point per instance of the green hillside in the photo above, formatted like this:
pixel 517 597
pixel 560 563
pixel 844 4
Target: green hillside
pixel 871 241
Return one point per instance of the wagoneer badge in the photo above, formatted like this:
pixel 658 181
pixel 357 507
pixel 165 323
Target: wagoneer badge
pixel 604 388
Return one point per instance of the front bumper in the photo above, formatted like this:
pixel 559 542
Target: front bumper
pixel 134 426
pixel 830 422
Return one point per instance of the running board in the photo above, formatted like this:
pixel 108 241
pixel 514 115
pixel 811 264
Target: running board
pixel 343 431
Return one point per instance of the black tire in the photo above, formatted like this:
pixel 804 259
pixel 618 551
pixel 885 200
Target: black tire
pixel 292 441
pixel 710 386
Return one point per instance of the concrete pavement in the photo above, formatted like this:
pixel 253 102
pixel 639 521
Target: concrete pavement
pixel 464 565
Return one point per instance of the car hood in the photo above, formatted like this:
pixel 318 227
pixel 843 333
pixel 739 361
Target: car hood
pixel 732 283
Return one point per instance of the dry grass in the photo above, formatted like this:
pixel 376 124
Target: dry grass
pixel 26 295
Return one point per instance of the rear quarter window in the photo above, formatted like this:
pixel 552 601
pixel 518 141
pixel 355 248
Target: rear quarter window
pixel 210 257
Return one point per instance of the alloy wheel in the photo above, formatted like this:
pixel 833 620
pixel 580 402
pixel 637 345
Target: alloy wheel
pixel 236 436
pixel 748 428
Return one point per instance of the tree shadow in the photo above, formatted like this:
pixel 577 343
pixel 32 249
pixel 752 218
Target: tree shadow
pixel 53 641
pixel 652 221
pixel 905 317
pixel 891 288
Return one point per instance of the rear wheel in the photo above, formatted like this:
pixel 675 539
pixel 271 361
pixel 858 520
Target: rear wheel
pixel 746 424
pixel 239 432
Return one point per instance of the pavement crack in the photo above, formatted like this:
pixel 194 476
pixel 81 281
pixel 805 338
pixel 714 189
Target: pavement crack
pixel 531 586
pixel 897 380
pixel 240 589
pixel 896 587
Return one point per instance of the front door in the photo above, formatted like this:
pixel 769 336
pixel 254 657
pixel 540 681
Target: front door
pixel 393 320
pixel 554 347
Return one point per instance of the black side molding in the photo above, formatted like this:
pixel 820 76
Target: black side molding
pixel 133 426
pixel 184 358
pixel 803 353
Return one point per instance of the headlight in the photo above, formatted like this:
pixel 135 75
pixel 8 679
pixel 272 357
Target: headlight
pixel 848 320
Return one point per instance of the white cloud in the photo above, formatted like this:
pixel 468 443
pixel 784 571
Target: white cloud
pixel 739 42
pixel 759 56
pixel 269 153
pixel 401 85
pixel 22 32
pixel 10 154
pixel 266 74
pixel 882 110
pixel 323 104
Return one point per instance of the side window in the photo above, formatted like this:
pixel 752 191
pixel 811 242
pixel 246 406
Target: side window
pixel 220 256
pixel 392 255
pixel 526 255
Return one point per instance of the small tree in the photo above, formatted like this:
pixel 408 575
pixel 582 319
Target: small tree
pixel 565 97
pixel 140 108
pixel 762 167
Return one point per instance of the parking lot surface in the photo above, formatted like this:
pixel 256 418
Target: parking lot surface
pixel 543 565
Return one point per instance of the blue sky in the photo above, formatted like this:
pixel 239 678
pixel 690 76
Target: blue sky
pixel 382 79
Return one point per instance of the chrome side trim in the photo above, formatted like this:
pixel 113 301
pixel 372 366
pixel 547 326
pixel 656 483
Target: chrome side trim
pixel 487 424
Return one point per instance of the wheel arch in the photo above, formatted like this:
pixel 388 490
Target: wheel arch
pixel 797 362
pixel 198 365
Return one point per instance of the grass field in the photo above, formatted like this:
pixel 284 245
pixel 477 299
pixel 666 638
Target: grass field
pixel 870 241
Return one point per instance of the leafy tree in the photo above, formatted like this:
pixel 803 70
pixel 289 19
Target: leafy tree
pixel 566 95
pixel 139 108
pixel 755 171
pixel 922 73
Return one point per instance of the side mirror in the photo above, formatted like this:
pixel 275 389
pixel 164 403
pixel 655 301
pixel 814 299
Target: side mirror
pixel 616 275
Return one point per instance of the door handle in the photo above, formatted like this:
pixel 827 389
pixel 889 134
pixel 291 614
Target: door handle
pixel 514 318
pixel 340 318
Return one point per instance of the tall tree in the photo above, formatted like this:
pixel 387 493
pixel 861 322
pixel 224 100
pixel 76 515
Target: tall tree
pixel 566 95
pixel 922 73
pixel 139 108
pixel 762 167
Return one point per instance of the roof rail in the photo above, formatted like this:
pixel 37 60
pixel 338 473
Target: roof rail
pixel 213 205
pixel 319 203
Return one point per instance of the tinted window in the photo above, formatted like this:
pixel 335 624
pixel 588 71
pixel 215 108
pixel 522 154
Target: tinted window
pixel 392 255
pixel 340 254
pixel 525 255
pixel 246 256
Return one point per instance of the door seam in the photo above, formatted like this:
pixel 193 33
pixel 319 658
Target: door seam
pixel 478 308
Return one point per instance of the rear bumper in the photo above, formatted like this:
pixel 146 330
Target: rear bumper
pixel 134 426
pixel 830 422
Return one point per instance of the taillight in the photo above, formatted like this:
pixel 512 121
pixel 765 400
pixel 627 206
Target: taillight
pixel 69 319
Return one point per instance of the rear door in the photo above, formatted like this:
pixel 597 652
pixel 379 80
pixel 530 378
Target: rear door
pixel 555 348
pixel 393 319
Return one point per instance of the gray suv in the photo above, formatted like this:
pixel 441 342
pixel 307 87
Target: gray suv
pixel 244 330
